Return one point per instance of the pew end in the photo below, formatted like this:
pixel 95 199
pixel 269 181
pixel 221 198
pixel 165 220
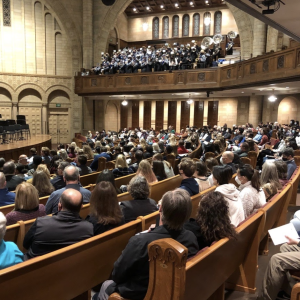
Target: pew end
pixel 296 292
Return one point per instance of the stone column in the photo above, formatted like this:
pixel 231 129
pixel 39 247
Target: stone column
pixel 205 113
pixel 141 114
pixel 153 113
pixel 44 118
pixel 129 116
pixel 192 114
pixel 166 108
pixel 178 116
pixel 272 39
pixel 259 38
pixel 255 110
pixel 14 111
pixel 88 34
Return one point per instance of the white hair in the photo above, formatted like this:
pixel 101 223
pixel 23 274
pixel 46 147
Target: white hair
pixel 2 226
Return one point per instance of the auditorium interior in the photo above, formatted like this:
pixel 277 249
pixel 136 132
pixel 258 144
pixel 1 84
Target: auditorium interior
pixel 48 49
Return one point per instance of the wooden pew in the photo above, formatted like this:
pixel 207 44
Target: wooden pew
pixel 252 155
pixel 124 180
pixel 296 292
pixel 200 277
pixel 89 179
pixel 72 270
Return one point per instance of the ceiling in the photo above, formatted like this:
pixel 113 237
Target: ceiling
pixel 286 19
pixel 265 90
pixel 146 7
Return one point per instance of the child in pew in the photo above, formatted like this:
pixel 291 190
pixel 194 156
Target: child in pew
pixel 212 222
pixel 10 254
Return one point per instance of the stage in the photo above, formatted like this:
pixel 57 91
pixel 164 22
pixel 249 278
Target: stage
pixel 15 149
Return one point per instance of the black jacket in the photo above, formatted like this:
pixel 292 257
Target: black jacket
pixel 48 234
pixel 135 208
pixel 12 181
pixel 190 185
pixel 58 182
pixel 131 270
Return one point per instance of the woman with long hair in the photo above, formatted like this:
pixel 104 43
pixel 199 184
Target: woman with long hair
pixel 121 167
pixel 159 170
pixel 145 170
pixel 105 212
pixel 167 166
pixel 88 151
pixel 107 175
pixel 27 206
pixel 282 171
pixel 41 182
pixel 212 222
pixel 269 174
pixel 251 193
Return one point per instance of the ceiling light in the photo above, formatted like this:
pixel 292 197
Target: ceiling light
pixel 124 102
pixel 272 98
pixel 176 4
pixel 190 101
pixel 191 3
pixel 148 8
pixel 207 21
pixel 206 2
pixel 287 87
pixel 161 6
pixel 243 92
pixel 134 9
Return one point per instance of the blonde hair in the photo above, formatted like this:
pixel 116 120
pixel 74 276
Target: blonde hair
pixel 269 174
pixel 41 181
pixel 143 144
pixel 155 147
pixel 63 154
pixel 121 162
pixel 88 151
pixel 146 171
pixel 172 140
pixel 27 197
pixel 44 169
pixel 97 144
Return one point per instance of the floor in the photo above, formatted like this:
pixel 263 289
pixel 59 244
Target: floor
pixel 262 264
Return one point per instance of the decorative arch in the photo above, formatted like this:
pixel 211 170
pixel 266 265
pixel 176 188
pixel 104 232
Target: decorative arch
pixel 155 28
pixel 166 27
pixel 58 87
pixel 218 22
pixel 40 92
pixel 288 110
pixel 196 24
pixel 9 89
pixel 175 26
pixel 186 25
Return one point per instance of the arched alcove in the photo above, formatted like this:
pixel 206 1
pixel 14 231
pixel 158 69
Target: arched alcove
pixel 58 96
pixel 288 110
pixel 30 96
pixel 5 95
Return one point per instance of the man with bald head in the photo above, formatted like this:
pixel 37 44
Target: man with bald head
pixel 227 159
pixel 63 229
pixel 6 197
pixel 23 160
pixel 71 177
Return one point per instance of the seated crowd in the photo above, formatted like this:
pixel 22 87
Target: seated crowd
pixel 145 153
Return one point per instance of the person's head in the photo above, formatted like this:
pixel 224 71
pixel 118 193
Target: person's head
pixel 181 143
pixel 70 200
pixel 103 149
pixel 71 174
pixel 149 149
pixel 222 175
pixel 245 147
pixel 145 170
pixel 53 153
pixel 2 226
pixel 37 160
pixel 270 190
pixel 33 151
pixel 45 151
pixel 23 159
pixel 250 145
pixel 246 173
pixel 288 154
pixel 210 163
pixel 201 169
pixel 21 169
pixel 61 166
pixel 269 174
pixel 156 147
pixel 213 218
pixel 106 175
pixel 157 157
pixel 9 168
pixel 121 162
pixel 2 162
pixel 159 169
pixel 2 181
pixel 42 183
pixel 63 154
pixel 175 209
pixel 187 167
pixel 44 169
pixel 169 149
pixel 139 188
pixel 27 197
pixel 281 169
pixel 227 157
pixel 72 149
pixel 104 204
pixel 88 151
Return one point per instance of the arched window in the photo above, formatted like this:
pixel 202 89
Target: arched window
pixel 185 25
pixel 218 22
pixel 155 28
pixel 206 23
pixel 175 26
pixel 165 27
pixel 196 24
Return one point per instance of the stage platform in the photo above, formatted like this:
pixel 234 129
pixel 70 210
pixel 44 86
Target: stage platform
pixel 15 149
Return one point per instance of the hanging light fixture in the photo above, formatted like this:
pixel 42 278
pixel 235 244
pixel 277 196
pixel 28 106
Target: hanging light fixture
pixel 272 98
pixel 190 101
pixel 124 102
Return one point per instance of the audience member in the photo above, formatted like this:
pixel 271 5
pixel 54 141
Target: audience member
pixel 33 153
pixel 264 139
pixel 159 170
pixel 227 159
pixel 138 158
pixel 88 151
pixel 71 177
pixel 212 222
pixel 243 151
pixel 149 152
pixel 10 254
pixel 6 197
pixel 27 204
pixel 21 171
pixel 12 181
pixel 63 229
pixel 107 175
pixel 2 162
pixel 37 160
pixel 221 177
pixel 62 153
pixel 251 194
pixel 200 176
pixel 141 205
pixel 130 276
pixel 167 166
pixel 71 153
pixel 42 183
pixel 187 168
pixel 101 153
pixel 288 157
pixel 58 182
pixel 121 167
pixel 181 149
pixel 23 160
pixel 105 212
pixel 83 168
pixel 45 153
pixel 282 171
pixel 269 174
pixel 145 170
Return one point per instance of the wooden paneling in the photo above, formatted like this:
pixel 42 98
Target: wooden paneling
pixel 198 114
pixel 185 115
pixel 147 114
pixel 159 119
pixel 124 116
pixel 212 117
pixel 135 114
pixel 172 112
